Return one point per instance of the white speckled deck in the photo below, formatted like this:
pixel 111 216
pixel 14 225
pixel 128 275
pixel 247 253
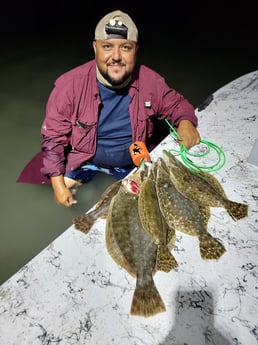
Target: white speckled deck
pixel 73 293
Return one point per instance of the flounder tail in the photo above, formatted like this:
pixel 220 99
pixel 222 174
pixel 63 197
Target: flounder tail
pixel 165 259
pixel 147 301
pixel 236 210
pixel 210 247
pixel 83 223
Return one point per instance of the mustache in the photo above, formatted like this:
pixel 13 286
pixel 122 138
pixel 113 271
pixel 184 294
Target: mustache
pixel 115 64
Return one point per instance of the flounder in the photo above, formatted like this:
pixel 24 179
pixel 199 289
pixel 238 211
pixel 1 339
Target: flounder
pixel 154 223
pixel 185 214
pixel 202 187
pixel 133 249
pixel 132 183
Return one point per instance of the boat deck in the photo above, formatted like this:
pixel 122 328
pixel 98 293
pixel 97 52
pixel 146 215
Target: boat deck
pixel 73 292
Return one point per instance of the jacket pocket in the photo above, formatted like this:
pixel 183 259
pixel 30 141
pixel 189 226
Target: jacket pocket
pixel 83 137
pixel 145 123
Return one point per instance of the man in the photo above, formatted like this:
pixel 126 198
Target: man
pixel 97 110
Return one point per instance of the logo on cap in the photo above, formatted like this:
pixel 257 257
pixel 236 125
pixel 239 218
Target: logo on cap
pixel 116 29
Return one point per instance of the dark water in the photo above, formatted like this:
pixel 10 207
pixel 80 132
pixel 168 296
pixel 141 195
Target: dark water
pixel 30 218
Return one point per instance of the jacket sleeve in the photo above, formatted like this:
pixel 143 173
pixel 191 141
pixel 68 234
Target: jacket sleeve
pixel 56 129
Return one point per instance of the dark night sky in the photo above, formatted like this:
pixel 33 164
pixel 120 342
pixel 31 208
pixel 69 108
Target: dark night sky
pixel 202 24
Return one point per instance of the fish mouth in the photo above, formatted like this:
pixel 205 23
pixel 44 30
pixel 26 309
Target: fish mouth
pixel 131 186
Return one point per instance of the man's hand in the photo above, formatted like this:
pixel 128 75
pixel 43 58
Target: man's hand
pixel 188 133
pixel 62 194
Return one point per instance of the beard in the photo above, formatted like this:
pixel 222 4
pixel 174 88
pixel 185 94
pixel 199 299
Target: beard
pixel 115 82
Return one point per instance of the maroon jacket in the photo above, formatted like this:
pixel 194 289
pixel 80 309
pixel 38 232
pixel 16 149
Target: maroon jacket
pixel 75 97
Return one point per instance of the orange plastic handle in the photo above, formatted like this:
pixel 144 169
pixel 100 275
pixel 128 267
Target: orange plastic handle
pixel 139 153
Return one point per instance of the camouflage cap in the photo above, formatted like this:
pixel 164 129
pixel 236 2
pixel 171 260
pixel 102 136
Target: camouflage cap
pixel 116 24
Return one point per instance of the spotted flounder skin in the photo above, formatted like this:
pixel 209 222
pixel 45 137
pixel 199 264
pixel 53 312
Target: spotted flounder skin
pixel 114 249
pixel 185 214
pixel 138 250
pixel 154 223
pixel 130 184
pixel 202 188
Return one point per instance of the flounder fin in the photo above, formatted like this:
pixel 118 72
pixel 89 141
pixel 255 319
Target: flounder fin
pixel 83 223
pixel 165 260
pixel 147 301
pixel 210 247
pixel 236 210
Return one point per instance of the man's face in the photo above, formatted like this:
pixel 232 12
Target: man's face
pixel 115 59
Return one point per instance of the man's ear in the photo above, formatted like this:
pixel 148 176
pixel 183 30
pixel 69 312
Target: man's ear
pixel 94 46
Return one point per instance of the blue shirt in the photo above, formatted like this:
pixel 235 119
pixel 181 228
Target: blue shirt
pixel 114 133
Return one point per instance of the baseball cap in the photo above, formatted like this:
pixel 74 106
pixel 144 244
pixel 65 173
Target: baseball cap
pixel 116 24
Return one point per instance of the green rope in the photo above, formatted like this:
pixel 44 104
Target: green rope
pixel 185 153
